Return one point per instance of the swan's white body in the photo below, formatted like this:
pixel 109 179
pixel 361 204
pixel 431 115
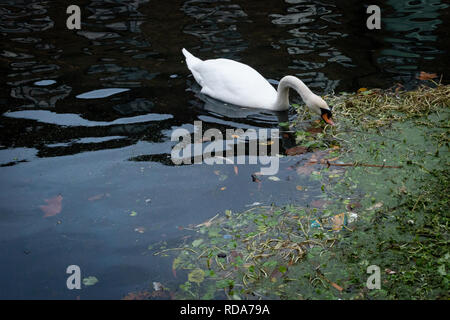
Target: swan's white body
pixel 237 83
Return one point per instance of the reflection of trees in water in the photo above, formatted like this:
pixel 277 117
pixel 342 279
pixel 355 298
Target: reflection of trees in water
pixel 136 44
pixel 112 31
pixel 28 57
pixel 310 44
pixel 107 25
pixel 216 26
pixel 24 17
pixel 411 38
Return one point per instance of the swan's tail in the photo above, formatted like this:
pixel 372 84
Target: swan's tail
pixel 190 59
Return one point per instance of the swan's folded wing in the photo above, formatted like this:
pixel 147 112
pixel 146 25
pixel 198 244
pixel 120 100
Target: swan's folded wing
pixel 235 83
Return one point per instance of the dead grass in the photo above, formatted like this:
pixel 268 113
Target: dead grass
pixel 376 108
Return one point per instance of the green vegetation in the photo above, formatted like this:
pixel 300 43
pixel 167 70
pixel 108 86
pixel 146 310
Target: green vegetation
pixel 383 172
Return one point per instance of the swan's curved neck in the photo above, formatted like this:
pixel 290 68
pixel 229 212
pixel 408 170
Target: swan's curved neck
pixel 287 82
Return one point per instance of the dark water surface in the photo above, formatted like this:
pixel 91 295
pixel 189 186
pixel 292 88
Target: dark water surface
pixel 107 153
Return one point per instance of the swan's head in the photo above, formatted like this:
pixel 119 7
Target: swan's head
pixel 317 105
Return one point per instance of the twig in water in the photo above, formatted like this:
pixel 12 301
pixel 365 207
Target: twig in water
pixel 328 163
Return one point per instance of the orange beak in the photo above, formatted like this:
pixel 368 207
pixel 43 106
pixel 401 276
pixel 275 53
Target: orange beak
pixel 327 120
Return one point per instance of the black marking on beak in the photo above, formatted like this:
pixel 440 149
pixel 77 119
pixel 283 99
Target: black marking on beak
pixel 327 115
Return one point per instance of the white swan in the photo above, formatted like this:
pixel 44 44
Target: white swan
pixel 240 84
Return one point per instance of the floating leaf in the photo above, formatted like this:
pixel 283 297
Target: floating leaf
pixel 196 275
pixel 314 130
pixel 296 150
pixel 90 281
pixel 140 229
pixel 426 76
pixel 274 178
pixel 299 188
pixel 389 271
pixel 282 269
pixel 133 213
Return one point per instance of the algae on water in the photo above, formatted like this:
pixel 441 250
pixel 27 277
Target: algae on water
pixel 395 218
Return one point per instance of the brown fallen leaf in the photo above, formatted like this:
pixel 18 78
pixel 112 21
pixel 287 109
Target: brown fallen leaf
pixel 296 150
pixel 138 295
pixel 314 130
pixel 53 207
pixel 426 76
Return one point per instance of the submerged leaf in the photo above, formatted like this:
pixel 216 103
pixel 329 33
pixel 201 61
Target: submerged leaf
pixel 53 207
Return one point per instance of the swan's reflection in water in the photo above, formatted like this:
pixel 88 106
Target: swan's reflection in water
pixel 215 113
